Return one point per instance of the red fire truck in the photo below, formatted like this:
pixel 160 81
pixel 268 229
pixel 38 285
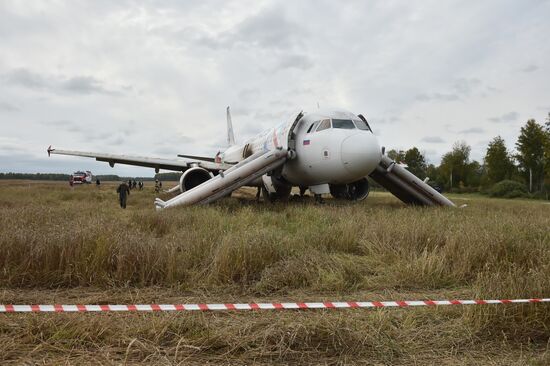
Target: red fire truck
pixel 81 177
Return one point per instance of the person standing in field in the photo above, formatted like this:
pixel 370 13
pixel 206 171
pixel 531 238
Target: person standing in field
pixel 123 192
pixel 97 182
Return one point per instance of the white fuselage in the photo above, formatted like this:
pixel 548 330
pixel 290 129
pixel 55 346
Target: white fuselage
pixel 341 151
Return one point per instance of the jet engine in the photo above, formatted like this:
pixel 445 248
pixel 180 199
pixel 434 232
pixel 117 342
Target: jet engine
pixel 356 191
pixel 275 189
pixel 193 177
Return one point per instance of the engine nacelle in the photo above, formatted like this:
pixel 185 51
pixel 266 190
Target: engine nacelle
pixel 356 191
pixel 193 177
pixel 274 189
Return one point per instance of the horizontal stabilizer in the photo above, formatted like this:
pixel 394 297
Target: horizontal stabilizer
pixel 195 157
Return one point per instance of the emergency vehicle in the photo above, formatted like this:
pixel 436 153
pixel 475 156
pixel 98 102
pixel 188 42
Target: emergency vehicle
pixel 81 177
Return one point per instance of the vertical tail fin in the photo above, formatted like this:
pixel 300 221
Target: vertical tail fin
pixel 230 135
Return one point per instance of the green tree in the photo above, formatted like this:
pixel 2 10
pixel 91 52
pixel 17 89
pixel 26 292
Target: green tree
pixel 455 165
pixel 498 162
pixel 531 146
pixel 547 156
pixel 416 163
pixel 397 156
pixel 474 173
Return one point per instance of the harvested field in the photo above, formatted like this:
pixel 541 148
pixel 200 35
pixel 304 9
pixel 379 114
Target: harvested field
pixel 62 245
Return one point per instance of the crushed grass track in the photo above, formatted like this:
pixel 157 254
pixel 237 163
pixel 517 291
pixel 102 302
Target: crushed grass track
pixel 62 245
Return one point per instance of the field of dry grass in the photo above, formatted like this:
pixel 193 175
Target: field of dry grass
pixel 62 245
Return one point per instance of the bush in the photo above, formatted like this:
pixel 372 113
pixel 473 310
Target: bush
pixel 508 189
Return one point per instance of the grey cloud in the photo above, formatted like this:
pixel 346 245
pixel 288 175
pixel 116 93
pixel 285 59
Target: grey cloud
pixel 59 123
pixel 11 146
pixel 240 111
pixel 84 85
pixel 507 117
pixel 461 87
pixel 175 140
pixel 115 141
pixel 301 62
pixel 249 93
pixel 130 129
pixel 530 68
pixel 473 130
pixel 268 29
pixel 465 86
pixel 94 136
pixel 439 97
pixel 65 125
pixel 26 78
pixel 83 132
pixel 422 97
pixel 447 97
pixel 220 143
pixel 57 83
pixel 7 107
pixel 167 150
pixel 275 116
pixel 433 140
pixel 252 129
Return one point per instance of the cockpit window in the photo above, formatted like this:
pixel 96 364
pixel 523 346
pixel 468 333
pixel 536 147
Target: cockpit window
pixel 325 124
pixel 362 125
pixel 345 124
pixel 312 126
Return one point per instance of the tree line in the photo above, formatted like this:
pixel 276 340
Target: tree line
pixel 523 172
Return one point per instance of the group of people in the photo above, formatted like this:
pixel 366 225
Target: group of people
pixel 124 189
pixel 133 184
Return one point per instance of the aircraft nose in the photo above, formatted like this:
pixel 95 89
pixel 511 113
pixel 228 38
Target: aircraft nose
pixel 361 153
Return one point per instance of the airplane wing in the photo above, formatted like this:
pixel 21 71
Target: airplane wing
pixel 156 163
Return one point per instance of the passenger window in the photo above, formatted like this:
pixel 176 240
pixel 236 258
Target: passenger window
pixel 325 124
pixel 345 124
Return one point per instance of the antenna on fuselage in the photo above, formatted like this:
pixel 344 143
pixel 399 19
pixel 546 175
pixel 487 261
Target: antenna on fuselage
pixel 230 135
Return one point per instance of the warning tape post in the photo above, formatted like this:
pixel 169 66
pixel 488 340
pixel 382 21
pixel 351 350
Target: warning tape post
pixel 254 306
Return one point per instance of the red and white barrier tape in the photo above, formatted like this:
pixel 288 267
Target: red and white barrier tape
pixel 253 306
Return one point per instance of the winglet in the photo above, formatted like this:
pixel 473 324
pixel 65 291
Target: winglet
pixel 230 135
pixel 50 150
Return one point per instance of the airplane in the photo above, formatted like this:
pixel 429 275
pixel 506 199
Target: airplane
pixel 326 151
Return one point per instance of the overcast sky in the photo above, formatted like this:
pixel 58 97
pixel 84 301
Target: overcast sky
pixel 153 78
